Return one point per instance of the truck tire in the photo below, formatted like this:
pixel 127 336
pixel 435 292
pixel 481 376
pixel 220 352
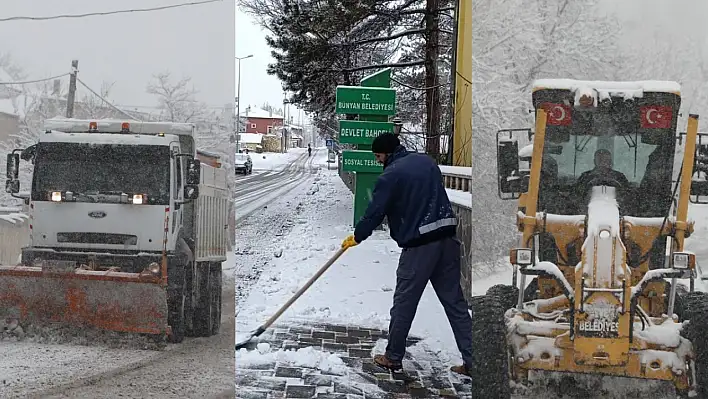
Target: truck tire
pixel 175 306
pixel 508 295
pixel 206 315
pixel 216 276
pixel 489 370
pixel 189 301
pixel 695 310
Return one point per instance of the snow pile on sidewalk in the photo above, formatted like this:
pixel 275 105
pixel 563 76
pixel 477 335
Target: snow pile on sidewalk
pixel 275 160
pixel 303 357
pixel 356 290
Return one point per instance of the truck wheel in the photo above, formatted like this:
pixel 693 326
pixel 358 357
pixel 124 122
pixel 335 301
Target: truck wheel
pixel 508 295
pixel 189 300
pixel 205 312
pixel 176 310
pixel 216 276
pixel 489 370
pixel 695 310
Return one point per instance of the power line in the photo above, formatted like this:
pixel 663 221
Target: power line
pixel 103 13
pixel 35 80
pixel 160 107
pixel 106 101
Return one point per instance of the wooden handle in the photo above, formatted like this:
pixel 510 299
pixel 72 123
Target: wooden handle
pixel 304 288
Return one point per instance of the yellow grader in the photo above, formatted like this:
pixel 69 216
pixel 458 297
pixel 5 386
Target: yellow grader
pixel 602 223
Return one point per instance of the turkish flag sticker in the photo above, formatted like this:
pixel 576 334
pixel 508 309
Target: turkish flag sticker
pixel 557 114
pixel 656 116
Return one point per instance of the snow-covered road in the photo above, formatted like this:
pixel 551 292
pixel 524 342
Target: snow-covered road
pixel 273 175
pixel 198 367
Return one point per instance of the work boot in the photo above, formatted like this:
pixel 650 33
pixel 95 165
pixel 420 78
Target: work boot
pixel 385 362
pixel 464 370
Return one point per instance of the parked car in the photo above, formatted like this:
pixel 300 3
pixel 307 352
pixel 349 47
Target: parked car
pixel 244 164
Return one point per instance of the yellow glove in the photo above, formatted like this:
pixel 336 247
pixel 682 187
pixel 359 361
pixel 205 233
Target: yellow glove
pixel 349 242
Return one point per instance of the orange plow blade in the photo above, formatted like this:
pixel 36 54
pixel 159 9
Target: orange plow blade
pixel 116 301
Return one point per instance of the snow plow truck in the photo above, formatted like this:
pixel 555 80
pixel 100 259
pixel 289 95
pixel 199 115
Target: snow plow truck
pixel 128 231
pixel 602 223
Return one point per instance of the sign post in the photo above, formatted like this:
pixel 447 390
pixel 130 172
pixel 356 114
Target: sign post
pixel 374 101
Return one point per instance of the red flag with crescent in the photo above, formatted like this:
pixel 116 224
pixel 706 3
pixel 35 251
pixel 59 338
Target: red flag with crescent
pixel 656 116
pixel 557 114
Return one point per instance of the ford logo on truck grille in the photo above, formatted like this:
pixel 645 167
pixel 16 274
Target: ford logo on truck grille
pixel 97 214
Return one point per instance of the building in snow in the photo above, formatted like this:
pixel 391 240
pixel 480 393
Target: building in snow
pixel 251 141
pixel 295 136
pixel 261 121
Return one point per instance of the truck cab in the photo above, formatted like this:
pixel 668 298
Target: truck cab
pixel 131 198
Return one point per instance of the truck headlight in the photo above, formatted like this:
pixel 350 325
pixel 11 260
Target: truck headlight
pixel 56 196
pixel 605 234
pixel 683 260
pixel 138 199
pixel 154 268
pixel 521 256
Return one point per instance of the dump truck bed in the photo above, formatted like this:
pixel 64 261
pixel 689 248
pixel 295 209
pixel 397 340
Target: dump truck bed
pixel 212 212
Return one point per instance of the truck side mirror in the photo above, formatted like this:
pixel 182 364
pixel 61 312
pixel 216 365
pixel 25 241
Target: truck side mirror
pixel 13 166
pixel 508 166
pixel 194 168
pixel 12 172
pixel 12 186
pixel 191 192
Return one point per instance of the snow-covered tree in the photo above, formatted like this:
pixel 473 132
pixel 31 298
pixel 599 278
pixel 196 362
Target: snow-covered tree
pixel 318 45
pixel 176 99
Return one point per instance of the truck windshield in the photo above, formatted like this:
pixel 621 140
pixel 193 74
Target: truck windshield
pixel 629 153
pixel 90 169
pixel 640 159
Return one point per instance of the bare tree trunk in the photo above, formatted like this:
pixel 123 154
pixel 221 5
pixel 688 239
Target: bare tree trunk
pixel 432 95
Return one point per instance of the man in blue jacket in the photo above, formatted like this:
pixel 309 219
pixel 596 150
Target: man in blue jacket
pixel 411 194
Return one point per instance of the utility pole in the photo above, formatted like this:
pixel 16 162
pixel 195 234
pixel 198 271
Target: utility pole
pixel 284 134
pixel 238 103
pixel 72 89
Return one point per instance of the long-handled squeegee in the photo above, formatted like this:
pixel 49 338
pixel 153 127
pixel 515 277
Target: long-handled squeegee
pixel 242 343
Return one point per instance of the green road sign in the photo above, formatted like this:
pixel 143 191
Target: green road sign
pixel 362 132
pixel 366 100
pixel 360 161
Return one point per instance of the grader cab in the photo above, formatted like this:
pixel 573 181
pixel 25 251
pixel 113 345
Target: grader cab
pixel 602 225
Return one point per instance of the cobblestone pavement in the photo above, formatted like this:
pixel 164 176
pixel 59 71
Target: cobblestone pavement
pixel 422 378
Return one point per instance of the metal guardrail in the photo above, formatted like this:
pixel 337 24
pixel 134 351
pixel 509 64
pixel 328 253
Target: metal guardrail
pixel 457 178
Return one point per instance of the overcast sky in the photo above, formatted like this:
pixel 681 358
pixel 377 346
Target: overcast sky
pixel 257 87
pixel 127 49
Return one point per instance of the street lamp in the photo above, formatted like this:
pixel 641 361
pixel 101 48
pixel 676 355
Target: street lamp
pixel 238 104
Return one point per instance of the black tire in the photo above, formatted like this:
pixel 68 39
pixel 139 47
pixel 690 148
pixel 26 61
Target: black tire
pixel 489 370
pixel 508 295
pixel 207 314
pixel 189 301
pixel 695 310
pixel 216 276
pixel 175 315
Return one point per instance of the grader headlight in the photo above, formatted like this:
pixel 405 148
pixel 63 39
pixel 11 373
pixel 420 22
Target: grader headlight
pixel 683 261
pixel 521 256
